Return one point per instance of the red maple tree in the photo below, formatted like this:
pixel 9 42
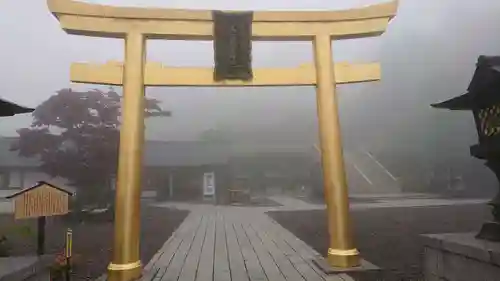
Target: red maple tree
pixel 75 134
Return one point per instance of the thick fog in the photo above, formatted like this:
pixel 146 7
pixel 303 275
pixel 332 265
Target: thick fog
pixel 428 54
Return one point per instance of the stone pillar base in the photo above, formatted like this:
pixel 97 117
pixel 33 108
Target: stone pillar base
pixel 365 272
pixel 460 257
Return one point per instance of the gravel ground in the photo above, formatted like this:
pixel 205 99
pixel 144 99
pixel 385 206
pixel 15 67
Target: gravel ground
pixel 92 241
pixel 388 237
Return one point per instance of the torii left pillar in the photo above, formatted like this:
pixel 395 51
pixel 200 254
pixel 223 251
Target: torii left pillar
pixel 126 263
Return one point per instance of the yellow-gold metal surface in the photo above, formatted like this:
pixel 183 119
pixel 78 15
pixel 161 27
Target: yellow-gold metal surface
pixel 136 25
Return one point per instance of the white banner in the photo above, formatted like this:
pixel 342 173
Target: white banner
pixel 208 184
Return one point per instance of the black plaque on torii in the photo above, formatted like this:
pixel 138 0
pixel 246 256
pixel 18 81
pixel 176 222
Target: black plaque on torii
pixel 232 45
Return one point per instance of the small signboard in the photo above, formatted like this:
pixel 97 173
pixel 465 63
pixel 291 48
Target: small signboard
pixel 41 200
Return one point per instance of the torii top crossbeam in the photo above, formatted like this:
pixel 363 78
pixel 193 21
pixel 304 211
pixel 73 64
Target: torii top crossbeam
pixel 108 21
pixel 157 23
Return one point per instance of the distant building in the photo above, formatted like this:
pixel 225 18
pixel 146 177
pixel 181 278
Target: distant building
pixel 18 172
pixel 175 170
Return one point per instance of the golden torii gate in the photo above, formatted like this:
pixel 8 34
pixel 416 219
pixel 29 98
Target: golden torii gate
pixel 136 25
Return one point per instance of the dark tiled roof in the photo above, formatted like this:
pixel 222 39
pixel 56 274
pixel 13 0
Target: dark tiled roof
pixel 482 90
pixel 180 153
pixel 463 102
pixel 8 108
pixel 246 149
pixel 185 153
pixel 38 184
pixel 157 154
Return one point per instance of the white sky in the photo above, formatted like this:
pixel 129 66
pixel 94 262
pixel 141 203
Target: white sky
pixel 427 54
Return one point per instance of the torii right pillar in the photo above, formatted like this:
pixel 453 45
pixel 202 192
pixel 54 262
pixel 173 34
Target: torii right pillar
pixel 344 255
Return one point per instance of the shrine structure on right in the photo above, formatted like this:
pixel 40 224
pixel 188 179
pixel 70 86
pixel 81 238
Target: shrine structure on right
pixel 483 100
pixel 473 256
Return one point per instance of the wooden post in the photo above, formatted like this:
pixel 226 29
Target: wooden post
pixel 342 252
pixel 171 185
pixel 40 250
pixel 126 264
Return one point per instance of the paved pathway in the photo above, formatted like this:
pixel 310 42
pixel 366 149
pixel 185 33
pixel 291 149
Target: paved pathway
pixel 225 243
pixel 26 268
pixel 234 243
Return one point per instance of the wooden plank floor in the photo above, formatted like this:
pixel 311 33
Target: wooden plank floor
pixel 217 243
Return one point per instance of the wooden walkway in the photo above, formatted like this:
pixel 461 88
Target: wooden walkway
pixel 217 243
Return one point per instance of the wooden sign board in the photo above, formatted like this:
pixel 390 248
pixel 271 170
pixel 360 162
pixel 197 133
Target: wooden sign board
pixel 41 200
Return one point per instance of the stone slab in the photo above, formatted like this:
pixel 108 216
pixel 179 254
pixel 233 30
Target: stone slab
pixel 465 244
pixel 366 271
pixel 147 275
pixel 24 267
pixel 460 257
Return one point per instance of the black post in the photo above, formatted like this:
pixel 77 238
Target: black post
pixel 491 230
pixel 41 236
pixel 68 269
